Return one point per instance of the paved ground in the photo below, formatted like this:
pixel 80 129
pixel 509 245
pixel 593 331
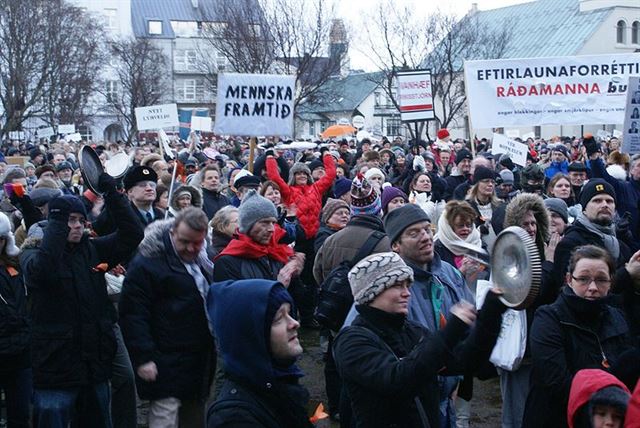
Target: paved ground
pixel 485 406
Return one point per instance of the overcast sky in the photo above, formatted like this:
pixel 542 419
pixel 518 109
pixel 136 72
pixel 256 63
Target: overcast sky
pixel 351 10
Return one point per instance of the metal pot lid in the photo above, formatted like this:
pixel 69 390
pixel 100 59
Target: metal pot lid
pixel 516 267
pixel 90 168
pixel 118 165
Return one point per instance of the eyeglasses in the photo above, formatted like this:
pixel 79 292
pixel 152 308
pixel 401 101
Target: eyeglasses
pixel 586 280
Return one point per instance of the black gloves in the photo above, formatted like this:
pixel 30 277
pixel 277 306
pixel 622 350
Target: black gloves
pixel 591 146
pixel 106 183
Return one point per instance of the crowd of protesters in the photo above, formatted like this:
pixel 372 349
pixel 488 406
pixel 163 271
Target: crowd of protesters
pixel 185 281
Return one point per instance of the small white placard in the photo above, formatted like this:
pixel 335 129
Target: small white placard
pixel 199 123
pixel 68 128
pixel 46 132
pixel 517 151
pixel 157 117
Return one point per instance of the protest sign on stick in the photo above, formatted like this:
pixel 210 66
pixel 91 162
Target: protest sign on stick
pixel 255 104
pixel 156 117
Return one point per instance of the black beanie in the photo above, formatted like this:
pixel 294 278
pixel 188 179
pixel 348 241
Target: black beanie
pixel 594 187
pixel 399 219
pixel 462 155
pixel 482 173
pixel 612 396
pixel 277 296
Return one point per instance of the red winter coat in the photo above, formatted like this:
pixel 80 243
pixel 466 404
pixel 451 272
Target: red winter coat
pixel 307 198
pixel 632 419
pixel 585 383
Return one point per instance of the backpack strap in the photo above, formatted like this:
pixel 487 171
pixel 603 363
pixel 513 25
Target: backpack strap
pixel 368 246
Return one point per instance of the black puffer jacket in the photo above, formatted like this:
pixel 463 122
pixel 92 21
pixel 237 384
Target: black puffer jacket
pixel 386 361
pixel 566 336
pixel 234 268
pixel 15 329
pixel 163 319
pixel 73 343
pixel 213 201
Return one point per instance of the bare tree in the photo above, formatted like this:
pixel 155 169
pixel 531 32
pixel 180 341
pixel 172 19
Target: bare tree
pixel 80 56
pixel 141 71
pixel 398 39
pixel 301 32
pixel 35 48
pixel 276 36
pixel 239 32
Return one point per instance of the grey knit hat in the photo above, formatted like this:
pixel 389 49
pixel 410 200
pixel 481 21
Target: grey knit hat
pixel 375 273
pixel 559 207
pixel 299 167
pixel 253 209
pixel 399 219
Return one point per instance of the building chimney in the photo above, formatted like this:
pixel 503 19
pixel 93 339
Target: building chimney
pixel 194 3
pixel 473 11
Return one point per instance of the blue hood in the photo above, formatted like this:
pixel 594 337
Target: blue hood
pixel 237 311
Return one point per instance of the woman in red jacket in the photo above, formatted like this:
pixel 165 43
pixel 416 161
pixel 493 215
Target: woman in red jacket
pixel 306 196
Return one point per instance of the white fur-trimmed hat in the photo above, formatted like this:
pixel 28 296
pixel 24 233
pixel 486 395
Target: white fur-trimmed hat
pixel 375 273
pixel 5 231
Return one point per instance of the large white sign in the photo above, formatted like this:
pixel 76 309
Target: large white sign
pixel 255 104
pixel 157 117
pixel 631 129
pixel 46 132
pixel 415 95
pixel 516 151
pixel 579 90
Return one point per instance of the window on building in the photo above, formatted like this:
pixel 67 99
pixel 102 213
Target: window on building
pixel 85 133
pixel 155 28
pixel 621 32
pixel 393 126
pixel 111 91
pixel 111 19
pixel 312 128
pixel 185 60
pixel 377 96
pixel 214 28
pixel 185 28
pixel 323 126
pixel 221 61
pixel 635 32
pixel 190 90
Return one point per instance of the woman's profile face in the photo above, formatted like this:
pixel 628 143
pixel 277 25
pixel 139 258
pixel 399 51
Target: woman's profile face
pixel 590 279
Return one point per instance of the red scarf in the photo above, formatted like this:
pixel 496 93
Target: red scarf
pixel 244 246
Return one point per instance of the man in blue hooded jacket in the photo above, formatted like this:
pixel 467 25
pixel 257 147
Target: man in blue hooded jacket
pixel 257 336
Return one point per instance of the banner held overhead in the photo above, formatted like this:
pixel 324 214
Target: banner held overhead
pixel 631 128
pixel 578 90
pixel 255 104
pixel 415 95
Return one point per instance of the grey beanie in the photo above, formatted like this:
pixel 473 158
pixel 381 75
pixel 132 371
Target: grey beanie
pixel 399 219
pixel 375 273
pixel 559 207
pixel 506 176
pixel 43 195
pixel 253 209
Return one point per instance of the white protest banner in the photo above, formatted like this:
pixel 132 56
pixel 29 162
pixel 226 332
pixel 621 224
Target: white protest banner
pixel 357 121
pixel 68 128
pixel 617 133
pixel 46 132
pixel 578 90
pixel 631 129
pixel 517 151
pixel 602 134
pixel 199 123
pixel 415 95
pixel 255 104
pixel 157 117
pixel 16 135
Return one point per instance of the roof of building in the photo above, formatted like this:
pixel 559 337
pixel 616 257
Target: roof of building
pixel 342 93
pixel 143 11
pixel 544 27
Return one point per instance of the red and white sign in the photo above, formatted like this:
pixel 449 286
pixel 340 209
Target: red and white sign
pixel 415 95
